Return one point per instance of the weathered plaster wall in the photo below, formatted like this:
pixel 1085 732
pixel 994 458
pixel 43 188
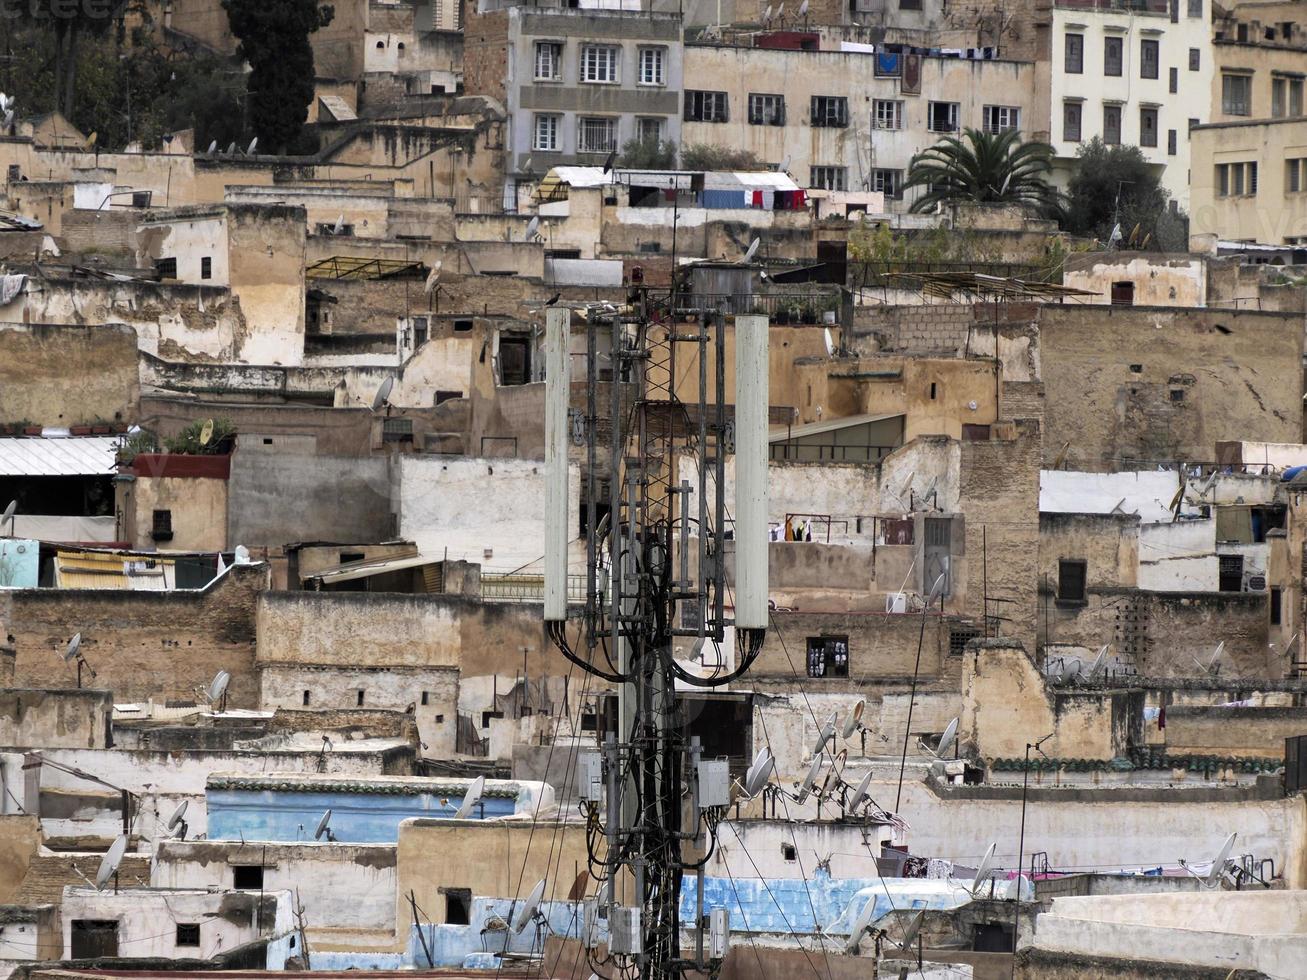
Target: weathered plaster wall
pixel 1224 731
pixel 20 837
pixel 198 508
pixel 47 719
pixel 65 375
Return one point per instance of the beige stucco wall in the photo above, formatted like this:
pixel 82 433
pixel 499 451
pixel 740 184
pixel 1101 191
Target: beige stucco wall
pixel 199 512
pixel 20 837
pixel 1158 280
pixel 1270 216
pixel 68 374
pixel 47 719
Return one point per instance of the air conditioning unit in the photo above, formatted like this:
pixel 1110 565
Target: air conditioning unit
pixel 1254 581
pixel 896 602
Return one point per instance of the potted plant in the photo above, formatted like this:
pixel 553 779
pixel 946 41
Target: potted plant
pixel 100 427
pixel 80 430
pixel 29 429
pixel 808 313
pixel 782 315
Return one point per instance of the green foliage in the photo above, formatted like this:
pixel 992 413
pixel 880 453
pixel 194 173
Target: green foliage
pixel 133 445
pixel 985 168
pixel 188 440
pixel 275 42
pixel 1102 173
pixel 705 156
pixel 648 154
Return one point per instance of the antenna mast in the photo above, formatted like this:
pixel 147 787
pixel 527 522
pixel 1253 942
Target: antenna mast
pixel 642 590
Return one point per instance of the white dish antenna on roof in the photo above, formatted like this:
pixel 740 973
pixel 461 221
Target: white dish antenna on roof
pixel 383 393
pixel 206 432
pixel 854 720
pixel 752 250
pixel 805 787
pixel 910 931
pixel 249 150
pixel 759 772
pixel 860 925
pixel 529 908
pixel 826 732
pixel 1213 666
pixel 217 689
pixel 339 226
pixel 324 828
pixel 109 864
pixel 471 798
pixel 948 738
pixel 985 870
pixel 532 228
pixel 74 646
pixel 831 349
pixel 213 147
pixel 231 148
pixel 803 9
pixel 1214 875
pixel 766 14
pixel 1097 665
pixel 8 517
pixel 177 822
pixel 433 276
pixel 860 794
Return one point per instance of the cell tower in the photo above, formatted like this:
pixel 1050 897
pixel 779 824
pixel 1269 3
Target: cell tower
pixel 655 570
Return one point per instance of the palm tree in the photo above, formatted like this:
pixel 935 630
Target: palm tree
pixel 988 168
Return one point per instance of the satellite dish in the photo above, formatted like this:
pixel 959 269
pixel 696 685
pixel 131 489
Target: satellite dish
pixel 766 14
pixel 785 164
pixel 218 686
pixel 780 12
pixel 532 228
pixel 529 907
pixel 206 432
pixel 759 772
pixel 910 933
pixel 948 738
pixel 830 342
pixel 249 150
pixel 937 589
pixel 752 250
pixel 9 119
pixel 803 9
pixel 112 858
pixel 324 826
pixel 985 870
pixel 213 147
pixel 8 517
pixel 806 786
pixel 526 164
pixel 1098 663
pixel 854 721
pixel 860 925
pixel 90 140
pixel 178 814
pixel 383 393
pixel 860 793
pixel 1214 876
pixel 74 645
pixel 231 148
pixel 339 226
pixel 827 732
pixel 471 798
pixel 832 779
pixel 433 276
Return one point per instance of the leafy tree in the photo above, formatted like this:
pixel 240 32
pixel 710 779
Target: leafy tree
pixel 71 22
pixel 1115 185
pixel 985 168
pixel 705 156
pixel 274 40
pixel 648 154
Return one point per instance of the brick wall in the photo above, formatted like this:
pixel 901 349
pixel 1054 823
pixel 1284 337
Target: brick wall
pixel 938 328
pixel 485 53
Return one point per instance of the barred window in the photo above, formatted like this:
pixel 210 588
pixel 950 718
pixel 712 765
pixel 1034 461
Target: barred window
pixel 596 134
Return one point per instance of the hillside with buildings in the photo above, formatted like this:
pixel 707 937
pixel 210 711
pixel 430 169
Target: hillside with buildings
pixel 629 489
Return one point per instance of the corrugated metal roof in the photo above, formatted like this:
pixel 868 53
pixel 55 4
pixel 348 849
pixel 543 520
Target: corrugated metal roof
pixel 76 456
pixel 109 570
pixel 356 570
pixel 785 433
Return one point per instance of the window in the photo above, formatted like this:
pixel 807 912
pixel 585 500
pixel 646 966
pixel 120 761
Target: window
pixel 94 938
pixel 959 637
pixel 1123 294
pixel 1071 580
pixel 1230 573
pixel 188 934
pixel 648 129
pixel 165 268
pixel 546 132
pixel 830 110
pixel 887 114
pixel 596 134
pixel 1111 124
pixel 789 852
pixel 599 63
pixel 360 698
pixel 942 117
pixel 1277 601
pixel 161 527
pixel 247 876
pixel 888 182
pixel 1071 122
pixel 426 698
pixel 1075 54
pixel 396 430
pixel 1148 58
pixel 514 360
pixel 488 716
pixel 1286 97
pixel 206 267
pixel 549 61
pixel 1236 94
pixel 766 110
pixel 1295 176
pixel 828 656
pixel 1171 142
pixel 458 906
pixel 1173 80
pixel 1112 55
pixel 1147 127
pixel 706 107
pixel 1195 8
pixel 997 118
pixel 653 66
pixel 306 699
pixel 1195 59
pixel 829 178
pixel 1236 179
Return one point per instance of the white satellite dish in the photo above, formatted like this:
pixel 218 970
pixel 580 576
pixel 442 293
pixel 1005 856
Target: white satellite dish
pixel 529 907
pixel 827 732
pixel 985 870
pixel 831 349
pixel 910 932
pixel 832 780
pixel 803 9
pixel 218 686
pixel 937 589
pixel 1213 877
pixel 860 793
pixel 178 814
pixel 854 721
pixel 324 827
pixel 231 148
pixel 948 738
pixel 433 276
pixel 766 14
pixel 806 786
pixel 1211 666
pixel 8 517
pixel 213 147
pixel 471 798
pixel 752 250
pixel 9 119
pixel 249 150
pixel 112 858
pixel 860 924
pixel 339 226
pixel 383 392
pixel 206 432
pixel 780 12
pixel 759 772
pixel 74 645
pixel 1097 664
pixel 532 228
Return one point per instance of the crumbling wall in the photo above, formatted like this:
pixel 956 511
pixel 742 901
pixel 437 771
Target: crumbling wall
pixel 50 718
pixel 68 375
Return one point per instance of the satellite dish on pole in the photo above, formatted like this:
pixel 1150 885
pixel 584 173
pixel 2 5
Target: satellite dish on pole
pixel 948 738
pixel 1214 876
pixel 827 732
pixel 249 150
pixel 177 822
pixel 339 226
pixel 984 871
pixel 759 772
pixel 433 276
pixel 324 828
pixel 217 689
pixel 74 645
pixel 471 798
pixel 383 393
pixel 860 793
pixel 854 721
pixel 109 864
pixel 8 517
pixel 206 432
pixel 532 228
pixel 831 349
pixel 524 914
pixel 860 925
pixel 213 147
pixel 752 250
pixel 911 930
pixel 806 786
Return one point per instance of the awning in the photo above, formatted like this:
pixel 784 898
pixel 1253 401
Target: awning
pixel 76 456
pixel 113 570
pixel 779 434
pixel 358 267
pixel 366 569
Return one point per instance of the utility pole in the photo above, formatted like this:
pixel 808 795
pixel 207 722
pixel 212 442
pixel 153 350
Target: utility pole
pixel 643 591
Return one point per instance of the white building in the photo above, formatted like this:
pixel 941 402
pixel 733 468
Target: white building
pixel 1131 76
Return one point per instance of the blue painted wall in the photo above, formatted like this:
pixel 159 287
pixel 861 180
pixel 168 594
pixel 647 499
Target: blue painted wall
pixel 358 818
pixel 467 948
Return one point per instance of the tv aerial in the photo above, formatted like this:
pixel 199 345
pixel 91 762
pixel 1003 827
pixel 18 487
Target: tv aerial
pixel 216 692
pixel 471 798
pixel 110 862
pixel 177 825
pixel 1217 871
pixel 324 829
pixel 805 787
pixel 759 772
pixel 8 517
pixel 752 250
pixel 73 652
pixel 383 393
pixel 984 872
pixel 528 910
